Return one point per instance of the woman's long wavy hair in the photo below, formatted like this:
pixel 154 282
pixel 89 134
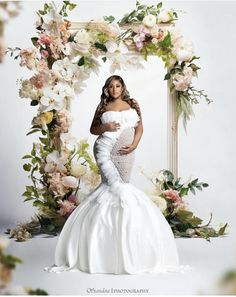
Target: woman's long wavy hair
pixel 106 98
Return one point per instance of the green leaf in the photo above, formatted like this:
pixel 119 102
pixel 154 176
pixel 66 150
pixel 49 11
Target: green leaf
pixel 34 41
pixel 28 199
pixel 43 140
pixel 34 102
pixel 33 131
pixel 109 19
pixel 192 190
pixel 167 76
pixel 27 167
pixel 100 46
pixel 72 6
pixel 166 42
pixel 183 192
pixel 104 59
pixel 27 157
pixel 222 229
pixel 38 203
pixel 159 5
pixel 205 185
pixel 81 61
pixel 199 187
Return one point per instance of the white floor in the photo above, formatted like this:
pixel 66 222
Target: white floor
pixel 209 259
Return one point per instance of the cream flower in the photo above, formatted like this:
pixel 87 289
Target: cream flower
pixel 52 20
pixel 183 80
pixel 54 97
pixel 29 58
pixel 27 90
pixel 165 16
pixel 160 202
pixel 112 30
pixel 149 20
pixel 117 54
pixel 183 49
pixel 55 162
pixel 65 69
pixel 78 169
pixel 82 41
pixel 68 141
pixel 70 182
pixel 4 242
pixel 161 176
pixel 115 48
pixel 154 31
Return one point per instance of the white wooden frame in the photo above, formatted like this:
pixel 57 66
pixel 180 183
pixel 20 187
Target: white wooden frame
pixel 172 123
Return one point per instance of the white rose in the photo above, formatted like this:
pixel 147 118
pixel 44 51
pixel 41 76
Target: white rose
pixel 183 49
pixel 70 182
pixel 161 177
pixel 149 20
pixel 164 16
pixel 160 202
pixel 77 169
pixel 82 39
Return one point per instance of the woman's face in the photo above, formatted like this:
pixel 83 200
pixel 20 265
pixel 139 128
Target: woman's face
pixel 115 89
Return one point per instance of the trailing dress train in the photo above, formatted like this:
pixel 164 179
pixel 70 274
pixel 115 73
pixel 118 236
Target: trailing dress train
pixel 116 228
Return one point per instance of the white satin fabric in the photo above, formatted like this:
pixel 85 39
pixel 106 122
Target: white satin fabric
pixel 117 228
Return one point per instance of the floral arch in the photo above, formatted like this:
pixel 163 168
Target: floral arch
pixel 63 56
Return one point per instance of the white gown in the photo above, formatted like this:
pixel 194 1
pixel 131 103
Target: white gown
pixel 117 228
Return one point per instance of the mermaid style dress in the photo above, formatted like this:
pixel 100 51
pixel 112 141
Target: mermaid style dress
pixel 116 228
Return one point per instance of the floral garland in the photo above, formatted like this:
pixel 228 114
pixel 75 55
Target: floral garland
pixel 168 196
pixel 8 9
pixel 62 61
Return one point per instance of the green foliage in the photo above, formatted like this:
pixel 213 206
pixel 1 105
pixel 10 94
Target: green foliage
pixel 138 14
pixel 9 260
pixel 67 5
pixel 182 221
pixel 37 292
pixel 109 19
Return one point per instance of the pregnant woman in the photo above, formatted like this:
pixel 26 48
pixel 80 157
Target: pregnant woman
pixel 117 228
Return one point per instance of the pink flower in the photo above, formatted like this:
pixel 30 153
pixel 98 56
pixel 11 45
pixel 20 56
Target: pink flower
pixel 44 54
pixel 172 195
pixel 143 30
pixel 183 80
pixel 45 39
pixel 56 186
pixel 28 58
pixel 64 30
pixel 63 121
pixel 66 207
pixel 42 65
pixel 38 80
pixel 73 199
pixel 160 35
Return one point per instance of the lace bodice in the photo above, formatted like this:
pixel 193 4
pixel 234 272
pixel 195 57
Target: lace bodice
pixel 127 118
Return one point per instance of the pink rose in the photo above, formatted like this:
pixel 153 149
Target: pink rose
pixel 172 195
pixel 45 39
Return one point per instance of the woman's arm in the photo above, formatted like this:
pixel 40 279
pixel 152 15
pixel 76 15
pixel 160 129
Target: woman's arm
pixel 97 128
pixel 137 134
